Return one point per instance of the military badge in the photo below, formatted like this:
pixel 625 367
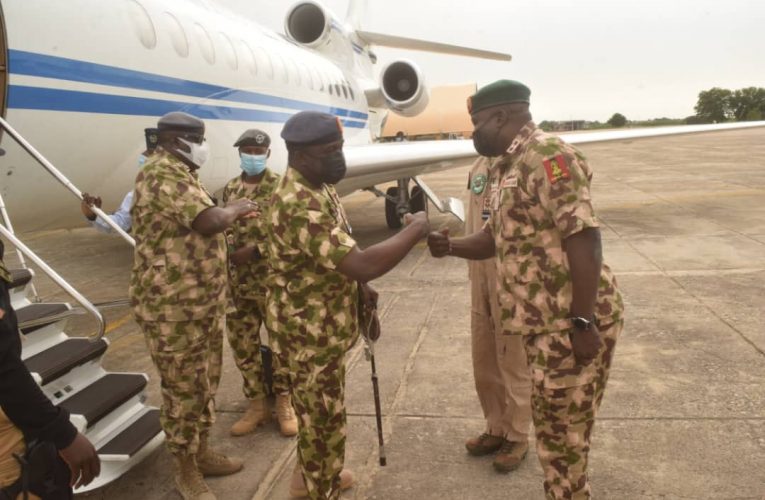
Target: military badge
pixel 478 184
pixel 556 168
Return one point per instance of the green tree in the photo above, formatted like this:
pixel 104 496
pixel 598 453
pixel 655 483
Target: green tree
pixel 713 105
pixel 617 120
pixel 747 104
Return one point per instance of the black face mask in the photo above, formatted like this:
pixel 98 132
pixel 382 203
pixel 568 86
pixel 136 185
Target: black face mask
pixel 333 167
pixel 482 144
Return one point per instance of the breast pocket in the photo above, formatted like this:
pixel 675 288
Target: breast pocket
pixel 514 214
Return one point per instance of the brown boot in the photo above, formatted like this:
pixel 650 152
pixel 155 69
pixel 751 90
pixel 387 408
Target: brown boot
pixel 288 423
pixel 298 488
pixel 510 456
pixel 212 463
pixel 484 444
pixel 256 414
pixel 189 481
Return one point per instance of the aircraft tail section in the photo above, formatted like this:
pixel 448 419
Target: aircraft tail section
pixel 356 11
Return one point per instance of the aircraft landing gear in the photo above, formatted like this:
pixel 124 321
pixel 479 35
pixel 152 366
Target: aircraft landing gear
pixel 399 200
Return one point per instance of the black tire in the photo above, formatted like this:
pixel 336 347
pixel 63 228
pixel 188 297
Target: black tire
pixel 418 201
pixel 391 212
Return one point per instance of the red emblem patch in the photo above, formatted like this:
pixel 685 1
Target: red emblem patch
pixel 557 168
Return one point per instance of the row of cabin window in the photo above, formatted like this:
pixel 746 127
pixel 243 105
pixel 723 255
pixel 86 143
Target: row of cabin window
pixel 147 34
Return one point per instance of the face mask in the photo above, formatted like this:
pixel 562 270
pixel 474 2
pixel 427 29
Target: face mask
pixel 481 143
pixel 198 154
pixel 141 160
pixel 252 164
pixel 333 167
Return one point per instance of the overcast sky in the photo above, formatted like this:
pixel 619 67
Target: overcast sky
pixel 583 59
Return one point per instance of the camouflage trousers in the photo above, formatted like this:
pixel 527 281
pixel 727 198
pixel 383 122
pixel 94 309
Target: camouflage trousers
pixel 318 395
pixel 188 357
pixel 243 330
pixel 565 399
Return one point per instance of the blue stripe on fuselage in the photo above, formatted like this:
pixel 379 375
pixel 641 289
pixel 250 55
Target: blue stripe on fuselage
pixel 24 97
pixel 33 64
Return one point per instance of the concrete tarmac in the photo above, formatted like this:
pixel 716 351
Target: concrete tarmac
pixel 683 223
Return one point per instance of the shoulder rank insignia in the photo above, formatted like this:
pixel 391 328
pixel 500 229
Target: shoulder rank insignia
pixel 556 168
pixel 478 184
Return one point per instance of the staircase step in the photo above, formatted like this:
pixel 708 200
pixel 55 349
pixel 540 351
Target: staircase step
pixel 39 311
pixel 20 277
pixel 104 395
pixel 61 358
pixel 134 437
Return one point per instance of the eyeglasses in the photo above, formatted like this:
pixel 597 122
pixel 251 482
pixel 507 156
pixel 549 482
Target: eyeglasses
pixel 196 138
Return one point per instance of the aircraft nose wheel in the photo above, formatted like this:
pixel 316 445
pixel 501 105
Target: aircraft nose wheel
pixel 394 211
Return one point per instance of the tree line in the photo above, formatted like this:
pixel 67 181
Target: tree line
pixel 716 105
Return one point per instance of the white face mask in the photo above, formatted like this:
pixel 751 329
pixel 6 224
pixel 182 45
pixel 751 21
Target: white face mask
pixel 198 154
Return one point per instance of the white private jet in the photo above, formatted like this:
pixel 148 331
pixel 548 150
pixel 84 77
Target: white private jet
pixel 81 79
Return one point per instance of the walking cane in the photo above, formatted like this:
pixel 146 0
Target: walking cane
pixel 370 354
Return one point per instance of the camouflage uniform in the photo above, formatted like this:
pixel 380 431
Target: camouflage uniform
pixel 501 373
pixel 543 198
pixel 248 289
pixel 311 309
pixel 178 294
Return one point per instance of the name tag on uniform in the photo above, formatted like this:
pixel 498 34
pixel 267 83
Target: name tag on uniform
pixel 510 182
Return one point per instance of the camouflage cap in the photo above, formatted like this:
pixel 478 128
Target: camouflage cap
pixel 152 137
pixel 499 92
pixel 253 137
pixel 309 128
pixel 181 122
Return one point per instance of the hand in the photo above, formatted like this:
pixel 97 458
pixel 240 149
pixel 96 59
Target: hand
pixel 242 255
pixel 83 461
pixel 439 243
pixel 586 344
pixel 87 202
pixel 244 208
pixel 420 218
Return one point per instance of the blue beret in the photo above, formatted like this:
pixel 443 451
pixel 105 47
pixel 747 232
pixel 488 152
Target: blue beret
pixel 181 122
pixel 309 128
pixel 499 92
pixel 253 137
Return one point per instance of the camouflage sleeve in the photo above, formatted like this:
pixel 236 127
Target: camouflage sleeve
pixel 178 198
pixel 327 243
pixel 562 183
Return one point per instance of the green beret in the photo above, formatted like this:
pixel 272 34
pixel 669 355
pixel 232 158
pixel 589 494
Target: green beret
pixel 309 128
pixel 253 137
pixel 499 92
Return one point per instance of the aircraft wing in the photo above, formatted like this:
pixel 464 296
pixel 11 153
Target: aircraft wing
pixel 374 164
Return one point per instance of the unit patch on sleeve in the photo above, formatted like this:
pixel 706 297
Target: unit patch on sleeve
pixel 556 168
pixel 478 184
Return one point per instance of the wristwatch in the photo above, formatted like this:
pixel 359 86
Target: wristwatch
pixel 581 323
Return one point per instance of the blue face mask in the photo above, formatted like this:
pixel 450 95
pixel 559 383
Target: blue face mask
pixel 141 160
pixel 253 164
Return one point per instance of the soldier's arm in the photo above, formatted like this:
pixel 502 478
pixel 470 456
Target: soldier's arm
pixel 477 246
pixel 214 220
pixel 373 262
pixel 585 258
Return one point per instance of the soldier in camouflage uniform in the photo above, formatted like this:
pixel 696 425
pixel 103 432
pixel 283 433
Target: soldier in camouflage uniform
pixel 313 293
pixel 554 289
pixel 178 294
pixel 248 270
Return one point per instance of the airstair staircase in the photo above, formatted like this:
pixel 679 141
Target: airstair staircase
pixel 108 408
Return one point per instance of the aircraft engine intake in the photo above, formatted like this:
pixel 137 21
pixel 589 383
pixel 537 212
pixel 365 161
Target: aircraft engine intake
pixel 403 88
pixel 308 24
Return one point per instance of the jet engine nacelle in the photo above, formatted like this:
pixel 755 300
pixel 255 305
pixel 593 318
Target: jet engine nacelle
pixel 403 88
pixel 310 24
